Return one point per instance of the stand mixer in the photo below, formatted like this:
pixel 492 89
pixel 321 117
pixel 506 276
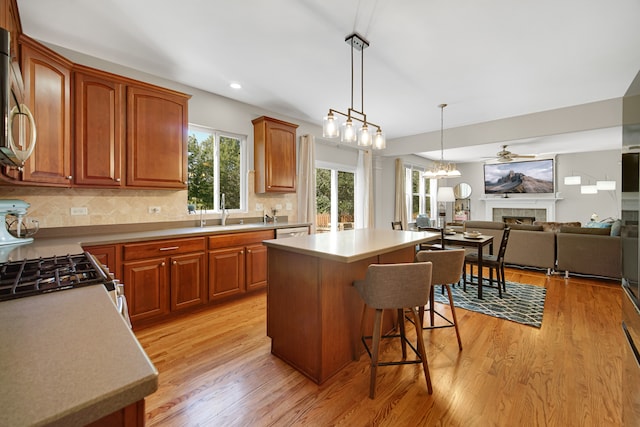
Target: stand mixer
pixel 18 208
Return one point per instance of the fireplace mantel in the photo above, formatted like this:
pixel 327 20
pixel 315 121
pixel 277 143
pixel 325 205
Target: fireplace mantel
pixel 547 203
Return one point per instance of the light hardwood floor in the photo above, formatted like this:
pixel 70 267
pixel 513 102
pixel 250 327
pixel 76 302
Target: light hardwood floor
pixel 216 370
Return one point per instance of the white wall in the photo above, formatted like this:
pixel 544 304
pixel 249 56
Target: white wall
pixel 574 206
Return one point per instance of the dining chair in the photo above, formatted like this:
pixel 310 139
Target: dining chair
pixel 430 246
pixel 446 270
pixel 396 225
pixel 400 287
pixel 493 262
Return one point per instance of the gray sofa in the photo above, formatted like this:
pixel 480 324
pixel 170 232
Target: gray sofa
pixel 558 247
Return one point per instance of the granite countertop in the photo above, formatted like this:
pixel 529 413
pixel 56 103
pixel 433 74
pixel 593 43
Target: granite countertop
pixel 47 244
pixel 352 245
pixel 68 358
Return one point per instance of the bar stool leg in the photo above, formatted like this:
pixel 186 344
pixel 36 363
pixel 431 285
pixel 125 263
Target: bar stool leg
pixel 453 315
pixel 421 350
pixel 403 342
pixel 377 332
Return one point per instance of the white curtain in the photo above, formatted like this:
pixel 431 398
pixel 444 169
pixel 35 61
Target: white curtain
pixel 400 205
pixel 307 182
pixel 364 180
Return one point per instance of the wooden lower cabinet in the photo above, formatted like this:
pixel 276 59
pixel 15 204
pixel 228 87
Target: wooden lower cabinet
pixel 237 263
pixel 164 276
pixel 256 267
pixel 129 416
pixel 226 272
pixel 145 284
pixel 188 283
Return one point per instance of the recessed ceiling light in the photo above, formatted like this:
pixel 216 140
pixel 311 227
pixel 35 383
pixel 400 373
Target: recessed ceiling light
pixel 235 86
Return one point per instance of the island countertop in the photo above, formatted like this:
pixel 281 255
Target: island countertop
pixel 352 245
pixel 68 358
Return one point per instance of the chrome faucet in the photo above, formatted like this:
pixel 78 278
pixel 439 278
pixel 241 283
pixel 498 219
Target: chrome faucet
pixel 203 221
pixel 225 213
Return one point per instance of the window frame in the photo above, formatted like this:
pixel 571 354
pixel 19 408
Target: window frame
pixel 422 194
pixel 335 168
pixel 244 167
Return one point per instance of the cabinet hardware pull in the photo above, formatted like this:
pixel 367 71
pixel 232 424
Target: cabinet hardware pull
pixel 170 248
pixel 162 264
pixel 241 252
pixel 69 177
pixel 175 262
pixel 117 179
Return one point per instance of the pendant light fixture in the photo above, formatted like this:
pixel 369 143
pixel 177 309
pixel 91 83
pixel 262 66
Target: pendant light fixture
pixel 347 131
pixel 442 169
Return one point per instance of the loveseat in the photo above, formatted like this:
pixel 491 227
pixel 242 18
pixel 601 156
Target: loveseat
pixel 562 247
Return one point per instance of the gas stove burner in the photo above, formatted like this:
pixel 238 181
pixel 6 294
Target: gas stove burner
pixel 36 276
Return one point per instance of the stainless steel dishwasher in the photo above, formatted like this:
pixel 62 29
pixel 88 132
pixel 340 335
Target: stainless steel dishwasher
pixel 281 233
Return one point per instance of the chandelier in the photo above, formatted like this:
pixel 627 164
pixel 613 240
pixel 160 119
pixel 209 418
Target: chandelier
pixel 442 169
pixel 347 132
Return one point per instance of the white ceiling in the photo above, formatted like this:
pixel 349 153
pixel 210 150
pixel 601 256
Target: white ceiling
pixel 487 60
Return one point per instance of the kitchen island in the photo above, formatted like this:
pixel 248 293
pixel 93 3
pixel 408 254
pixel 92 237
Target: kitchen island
pixel 313 311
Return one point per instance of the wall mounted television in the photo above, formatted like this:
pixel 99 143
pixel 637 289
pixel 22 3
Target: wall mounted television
pixel 530 177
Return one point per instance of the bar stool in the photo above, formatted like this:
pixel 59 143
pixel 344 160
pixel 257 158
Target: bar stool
pixel 395 286
pixel 446 270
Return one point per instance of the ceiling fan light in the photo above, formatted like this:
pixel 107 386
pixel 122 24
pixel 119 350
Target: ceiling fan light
pixel 330 128
pixel 588 189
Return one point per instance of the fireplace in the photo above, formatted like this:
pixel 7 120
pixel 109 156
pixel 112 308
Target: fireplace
pixel 509 219
pixel 541 209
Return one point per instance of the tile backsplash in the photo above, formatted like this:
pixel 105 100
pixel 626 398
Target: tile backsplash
pixel 52 206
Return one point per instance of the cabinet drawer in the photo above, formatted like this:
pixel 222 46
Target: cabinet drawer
pixel 239 239
pixel 133 251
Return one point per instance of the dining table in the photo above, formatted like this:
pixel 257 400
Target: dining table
pixel 479 242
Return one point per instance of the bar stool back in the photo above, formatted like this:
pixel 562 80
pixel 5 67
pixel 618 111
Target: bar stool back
pixel 399 287
pixel 447 269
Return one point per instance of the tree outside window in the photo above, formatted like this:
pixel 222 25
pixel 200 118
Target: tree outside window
pixel 216 165
pixel 335 199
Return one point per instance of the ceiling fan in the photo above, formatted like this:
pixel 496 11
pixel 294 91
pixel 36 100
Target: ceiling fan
pixel 505 155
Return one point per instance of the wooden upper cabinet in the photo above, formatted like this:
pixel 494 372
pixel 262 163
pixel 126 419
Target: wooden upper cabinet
pixel 47 84
pixel 10 21
pixel 157 124
pixel 274 143
pixel 99 129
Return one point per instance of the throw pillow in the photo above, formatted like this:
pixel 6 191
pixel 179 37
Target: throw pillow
pixel 615 227
pixel 597 224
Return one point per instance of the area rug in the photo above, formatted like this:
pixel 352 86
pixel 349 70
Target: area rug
pixel 520 303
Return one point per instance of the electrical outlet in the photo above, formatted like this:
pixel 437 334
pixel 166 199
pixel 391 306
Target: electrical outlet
pixel 259 207
pixel 154 209
pixel 79 211
pixel 288 206
pixel 279 206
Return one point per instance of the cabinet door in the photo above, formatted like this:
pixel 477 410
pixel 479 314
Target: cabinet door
pixel 274 155
pixel 108 256
pixel 145 286
pixel 157 125
pixel 99 130
pixel 47 82
pixel 226 272
pixel 188 286
pixel 256 267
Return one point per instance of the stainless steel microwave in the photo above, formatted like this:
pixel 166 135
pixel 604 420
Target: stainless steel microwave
pixel 18 136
